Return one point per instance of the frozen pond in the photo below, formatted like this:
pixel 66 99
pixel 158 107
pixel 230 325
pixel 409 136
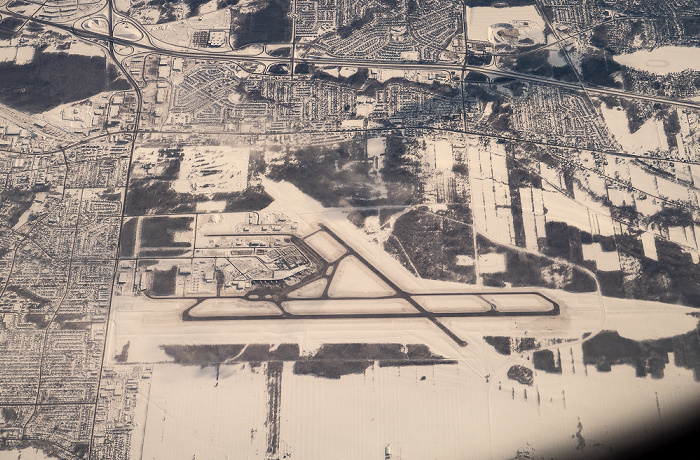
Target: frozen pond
pixel 662 60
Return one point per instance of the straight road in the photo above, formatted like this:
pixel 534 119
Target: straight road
pixel 400 293
pixel 350 62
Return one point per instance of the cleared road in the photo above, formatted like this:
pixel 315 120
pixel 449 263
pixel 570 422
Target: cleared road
pixel 232 56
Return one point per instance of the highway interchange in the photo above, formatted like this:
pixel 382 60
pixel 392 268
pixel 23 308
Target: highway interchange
pixel 491 70
pixel 147 46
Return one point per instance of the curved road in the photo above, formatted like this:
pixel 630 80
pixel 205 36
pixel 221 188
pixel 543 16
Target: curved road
pixel 354 63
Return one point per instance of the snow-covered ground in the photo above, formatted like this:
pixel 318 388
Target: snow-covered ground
pixel 561 208
pixel 480 18
pixel 234 307
pixel 28 453
pixel 353 279
pixel 465 410
pixel 662 60
pixel 649 137
pixel 488 177
pixel 212 169
pixel 532 203
pixel 25 55
pixel 605 260
pixel 192 414
pixel 211 206
pixel 609 410
pixel 127 31
pixel 453 303
pixel 310 291
pixel 347 306
pixel 179 33
pixel 326 246
pixel 419 412
pixel 77 47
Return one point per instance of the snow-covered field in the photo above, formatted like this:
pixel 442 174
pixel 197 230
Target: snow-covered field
pixel 605 260
pixel 465 410
pixel 452 303
pixel 127 31
pixel 649 137
pixel 440 154
pixel 29 453
pixel 561 208
pixel 326 246
pixel 481 17
pixel 312 290
pixel 519 303
pixel 213 169
pixel 211 206
pixel 609 410
pixel 353 279
pixel 358 416
pixel 533 216
pixel 347 306
pixel 25 55
pixel 488 177
pixel 234 307
pixel 19 54
pixel 192 414
pixel 662 60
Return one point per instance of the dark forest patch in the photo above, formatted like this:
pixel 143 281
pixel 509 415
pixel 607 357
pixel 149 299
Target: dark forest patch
pixel 259 352
pixel 332 361
pixel 500 343
pixel 156 197
pixel 202 355
pixel 521 374
pixel 608 348
pixel 536 62
pixel 164 282
pixel 270 24
pixel 51 79
pixel 127 240
pixel 523 269
pixel 597 68
pixel 433 242
pixel 123 356
pixel 544 360
pixel 341 174
pixel 157 232
pixel 15 202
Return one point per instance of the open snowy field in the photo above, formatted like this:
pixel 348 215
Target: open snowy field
pixel 234 307
pixel 348 306
pixel 662 60
pixel 647 138
pixel 480 18
pixel 453 303
pixel 326 246
pixel 413 411
pixel 490 194
pixel 354 279
pixel 193 413
pixel 213 169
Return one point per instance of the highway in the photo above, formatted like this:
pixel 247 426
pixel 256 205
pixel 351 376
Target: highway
pixel 348 62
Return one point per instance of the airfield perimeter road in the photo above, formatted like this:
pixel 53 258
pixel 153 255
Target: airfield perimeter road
pixel 491 71
pixel 399 294
pixel 269 60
